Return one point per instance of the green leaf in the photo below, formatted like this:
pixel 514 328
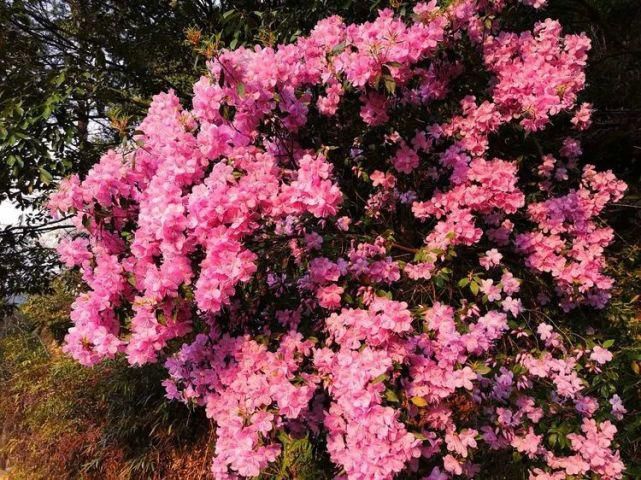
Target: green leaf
pixel 384 294
pixel 45 176
pixel 481 368
pixel 381 378
pixel 390 84
pixel 608 343
pixel 390 396
pixel 295 35
pixel 228 112
pixel 377 81
pixel 474 288
pixel 419 401
pixel 59 79
pixel 338 48
pixel 553 439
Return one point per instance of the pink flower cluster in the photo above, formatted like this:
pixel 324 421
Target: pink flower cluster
pixel 248 390
pixel 569 242
pixel 320 247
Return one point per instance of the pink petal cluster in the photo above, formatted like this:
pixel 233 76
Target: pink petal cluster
pixel 326 243
pixel 569 242
pixel 248 390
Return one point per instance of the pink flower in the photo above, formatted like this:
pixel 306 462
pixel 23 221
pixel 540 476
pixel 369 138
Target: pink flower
pixel 528 444
pixel 582 117
pixel 74 252
pixel 600 355
pixel 512 305
pixel 491 259
pixel 544 330
pixel 343 223
pixel 618 409
pixel 405 159
pixel 329 296
pixel 383 179
pixel 452 465
pixel 492 291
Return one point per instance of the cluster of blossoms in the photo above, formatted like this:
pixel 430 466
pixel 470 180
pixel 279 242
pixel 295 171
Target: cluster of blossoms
pixel 243 380
pixel 320 247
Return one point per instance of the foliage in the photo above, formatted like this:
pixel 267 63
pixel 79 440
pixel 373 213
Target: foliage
pixel 26 266
pixel 621 321
pixel 48 314
pixel 63 421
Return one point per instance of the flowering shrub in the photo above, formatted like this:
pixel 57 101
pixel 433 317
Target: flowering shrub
pixel 351 238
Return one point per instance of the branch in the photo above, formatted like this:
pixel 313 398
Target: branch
pixel 44 227
pixel 404 248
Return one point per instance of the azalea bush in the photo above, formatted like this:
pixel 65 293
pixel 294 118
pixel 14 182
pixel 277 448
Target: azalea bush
pixel 373 238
